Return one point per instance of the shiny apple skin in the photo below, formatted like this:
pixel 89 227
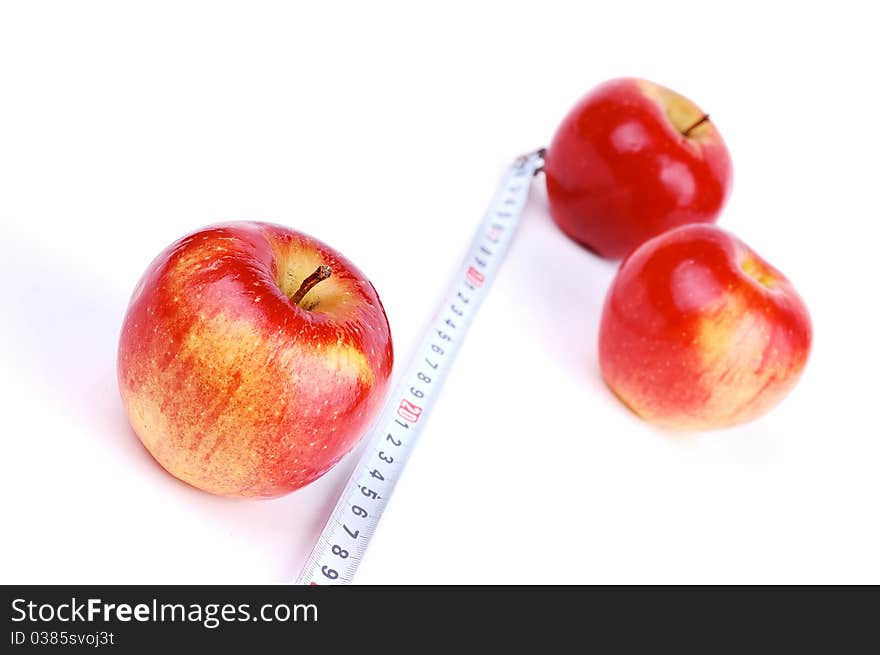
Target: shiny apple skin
pixel 699 332
pixel 618 171
pixel 233 388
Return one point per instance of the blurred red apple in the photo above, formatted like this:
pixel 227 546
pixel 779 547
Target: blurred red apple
pixel 631 160
pixel 252 358
pixel 699 332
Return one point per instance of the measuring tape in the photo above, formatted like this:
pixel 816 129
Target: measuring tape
pixel 344 539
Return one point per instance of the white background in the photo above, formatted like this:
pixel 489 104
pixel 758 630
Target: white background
pixel 382 129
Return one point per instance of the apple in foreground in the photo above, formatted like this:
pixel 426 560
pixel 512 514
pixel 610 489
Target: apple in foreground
pixel 631 160
pixel 699 332
pixel 252 358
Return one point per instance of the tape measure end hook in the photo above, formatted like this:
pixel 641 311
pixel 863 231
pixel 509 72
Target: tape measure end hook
pixel 540 153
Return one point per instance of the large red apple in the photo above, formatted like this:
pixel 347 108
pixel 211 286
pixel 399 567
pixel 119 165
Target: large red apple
pixel 631 160
pixel 699 332
pixel 252 358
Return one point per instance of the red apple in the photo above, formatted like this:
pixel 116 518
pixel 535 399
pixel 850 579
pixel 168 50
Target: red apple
pixel 630 161
pixel 252 358
pixel 699 332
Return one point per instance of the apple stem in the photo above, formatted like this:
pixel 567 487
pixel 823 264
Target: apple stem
pixel 688 131
pixel 321 273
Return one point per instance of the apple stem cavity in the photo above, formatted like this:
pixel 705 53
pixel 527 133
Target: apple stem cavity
pixel 702 120
pixel 321 273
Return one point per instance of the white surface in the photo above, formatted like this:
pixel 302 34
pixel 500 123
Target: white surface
pixel 123 127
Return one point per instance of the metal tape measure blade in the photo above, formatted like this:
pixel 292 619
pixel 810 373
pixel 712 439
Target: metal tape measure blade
pixel 344 539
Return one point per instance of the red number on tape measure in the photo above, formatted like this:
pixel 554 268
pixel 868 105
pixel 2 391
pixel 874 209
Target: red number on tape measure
pixel 408 411
pixel 475 277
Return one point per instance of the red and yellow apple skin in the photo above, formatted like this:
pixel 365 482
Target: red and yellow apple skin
pixel 231 386
pixel 699 332
pixel 630 161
